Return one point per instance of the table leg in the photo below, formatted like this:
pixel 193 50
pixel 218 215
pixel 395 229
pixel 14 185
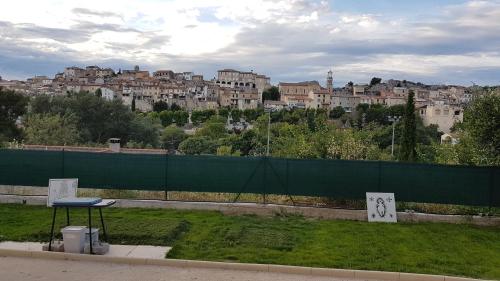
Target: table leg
pixel 67 216
pixel 103 227
pixel 52 228
pixel 90 232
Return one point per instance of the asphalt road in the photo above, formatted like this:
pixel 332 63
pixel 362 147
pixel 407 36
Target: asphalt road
pixel 28 269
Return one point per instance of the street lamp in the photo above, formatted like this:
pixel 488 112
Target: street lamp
pixel 268 130
pixel 394 120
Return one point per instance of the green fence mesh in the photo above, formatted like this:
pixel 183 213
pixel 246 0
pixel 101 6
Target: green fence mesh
pixel 411 182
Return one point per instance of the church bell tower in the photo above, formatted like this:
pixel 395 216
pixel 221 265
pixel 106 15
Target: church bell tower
pixel 329 81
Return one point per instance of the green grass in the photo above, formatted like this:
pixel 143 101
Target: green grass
pixel 434 248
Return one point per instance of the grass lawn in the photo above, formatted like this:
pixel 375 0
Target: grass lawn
pixel 434 248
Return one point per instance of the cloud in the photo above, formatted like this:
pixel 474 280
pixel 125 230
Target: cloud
pixel 290 40
pixel 83 11
pixel 30 31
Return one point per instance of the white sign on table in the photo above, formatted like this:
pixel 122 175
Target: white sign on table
pixel 381 207
pixel 61 188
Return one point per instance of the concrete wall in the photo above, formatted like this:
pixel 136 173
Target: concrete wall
pixel 271 210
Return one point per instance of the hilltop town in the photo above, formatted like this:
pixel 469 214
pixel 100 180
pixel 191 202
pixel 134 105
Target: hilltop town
pixel 437 104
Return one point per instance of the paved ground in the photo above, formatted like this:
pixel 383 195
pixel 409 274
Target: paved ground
pixel 131 251
pixel 28 269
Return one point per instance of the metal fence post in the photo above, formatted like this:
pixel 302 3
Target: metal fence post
pixel 62 164
pixel 265 180
pixel 166 176
pixel 379 176
pixel 492 175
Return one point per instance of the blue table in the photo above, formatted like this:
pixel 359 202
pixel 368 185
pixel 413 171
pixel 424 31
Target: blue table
pixel 89 203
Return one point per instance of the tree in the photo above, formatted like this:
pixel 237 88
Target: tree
pixel 160 106
pixel 252 114
pixel 482 123
pixel 98 92
pixel 166 117
pixel 201 116
pixel 175 107
pixel 409 137
pixel 375 81
pixel 214 128
pixel 12 105
pixel 172 136
pixel 337 112
pixel 97 119
pixel 180 117
pixel 353 145
pixel 272 93
pixel 236 114
pixel 144 130
pixel 198 145
pixel 227 151
pixel 362 107
pixel 40 104
pixel 246 142
pixel 51 129
pixel 377 113
pixel 224 112
pixel 133 104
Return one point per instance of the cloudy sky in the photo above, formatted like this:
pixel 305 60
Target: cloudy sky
pixel 433 41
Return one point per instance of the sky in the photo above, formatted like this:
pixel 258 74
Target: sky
pixel 431 41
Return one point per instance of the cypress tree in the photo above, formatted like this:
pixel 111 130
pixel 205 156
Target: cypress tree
pixel 133 104
pixel 409 137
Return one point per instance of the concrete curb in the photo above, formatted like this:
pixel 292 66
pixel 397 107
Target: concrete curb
pixel 270 210
pixel 286 269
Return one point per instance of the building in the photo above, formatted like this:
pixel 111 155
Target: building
pixel 73 72
pixel 319 99
pixel 198 78
pixel 108 94
pixel 445 116
pixel 329 82
pixel 347 102
pixel 239 98
pixel 187 75
pixel 300 88
pixel 449 138
pixel 296 101
pixel 401 91
pixel 164 74
pixel 136 73
pixel 274 105
pixel 391 101
pixel 105 72
pixel 230 78
pixel 359 89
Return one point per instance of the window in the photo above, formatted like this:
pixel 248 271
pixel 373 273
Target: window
pixel 437 111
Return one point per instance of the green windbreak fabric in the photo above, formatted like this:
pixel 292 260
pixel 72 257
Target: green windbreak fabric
pixel 30 168
pixel 120 171
pixel 411 182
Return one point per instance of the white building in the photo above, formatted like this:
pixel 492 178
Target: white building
pixel 445 116
pixel 274 105
pixel 108 94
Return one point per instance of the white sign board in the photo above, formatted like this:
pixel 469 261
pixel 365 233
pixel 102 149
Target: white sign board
pixel 61 188
pixel 381 207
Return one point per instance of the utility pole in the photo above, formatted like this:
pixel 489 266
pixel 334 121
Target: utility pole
pixel 393 119
pixel 268 133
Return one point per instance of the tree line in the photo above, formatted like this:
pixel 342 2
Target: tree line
pixel 365 134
